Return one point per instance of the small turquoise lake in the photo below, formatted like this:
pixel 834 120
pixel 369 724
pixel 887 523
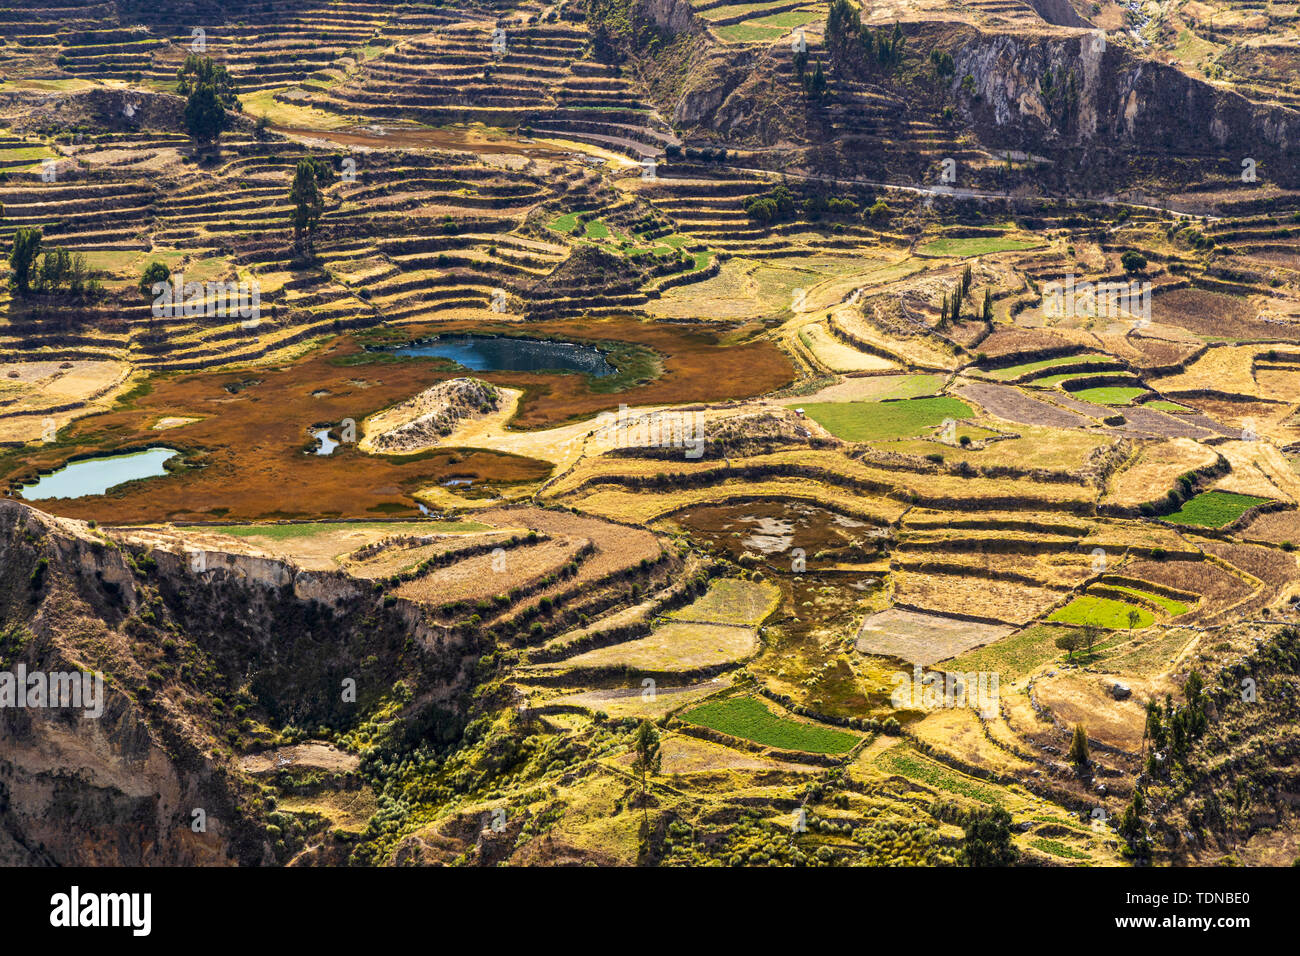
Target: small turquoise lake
pixel 500 353
pixel 94 476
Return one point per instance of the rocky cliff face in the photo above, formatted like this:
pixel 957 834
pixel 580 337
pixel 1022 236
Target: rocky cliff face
pixel 193 662
pixel 1122 99
pixel 1100 110
pixel 116 789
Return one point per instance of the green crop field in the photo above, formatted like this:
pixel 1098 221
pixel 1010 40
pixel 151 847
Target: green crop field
pixel 1110 394
pixel 1172 608
pixel 1014 371
pixel 1104 612
pixel 1214 509
pixel 877 421
pixel 1013 656
pixel 907 763
pixel 750 719
pixel 1057 848
pixel 975 246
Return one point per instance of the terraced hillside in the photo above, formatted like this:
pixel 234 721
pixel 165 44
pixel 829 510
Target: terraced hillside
pixel 654 433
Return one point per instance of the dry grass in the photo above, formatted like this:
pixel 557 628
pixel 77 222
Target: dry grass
pixel 484 576
pixel 1006 601
pixel 28 390
pixel 674 647
pixel 923 639
pixel 635 701
pixel 732 601
pixel 1154 469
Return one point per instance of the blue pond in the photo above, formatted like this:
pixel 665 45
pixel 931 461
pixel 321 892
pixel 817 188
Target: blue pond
pixel 94 476
pixel 495 353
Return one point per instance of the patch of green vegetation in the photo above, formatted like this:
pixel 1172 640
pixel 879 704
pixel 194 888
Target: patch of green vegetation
pixel 1013 657
pixel 913 386
pixel 749 719
pixel 566 222
pixel 1109 394
pixel 635 365
pixel 1015 371
pixel 791 18
pixel 877 421
pixel 1051 381
pixel 748 33
pixel 1103 612
pixel 975 246
pixel 1057 848
pixel 1172 608
pixel 1165 405
pixel 904 762
pixel 1214 509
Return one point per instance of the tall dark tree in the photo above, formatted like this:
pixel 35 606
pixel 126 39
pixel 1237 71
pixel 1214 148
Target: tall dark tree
pixel 818 86
pixel 308 203
pixel 209 92
pixel 22 258
pixel 1078 754
pixel 199 71
pixel 1132 830
pixel 648 758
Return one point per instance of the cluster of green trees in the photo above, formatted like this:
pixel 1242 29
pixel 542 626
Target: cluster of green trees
pixel 154 272
pixel 814 83
pixel 950 310
pixel 1060 94
pixel 943 64
pixel 780 205
pixel 1133 261
pixel 52 271
pixel 1080 639
pixel 1173 728
pixel 209 91
pixel 987 841
pixel 849 38
pixel 776 206
pixel 700 154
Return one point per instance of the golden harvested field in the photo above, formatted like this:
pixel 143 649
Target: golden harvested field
pixel 39 398
pixel 1083 699
pixel 487 575
pixel 631 406
pixel 639 701
pixel 1275 527
pixel 402 556
pixel 1008 602
pixel 732 601
pixel 923 639
pixel 619 505
pixel 670 648
pixel 1259 469
pixel 837 355
pixel 1152 471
